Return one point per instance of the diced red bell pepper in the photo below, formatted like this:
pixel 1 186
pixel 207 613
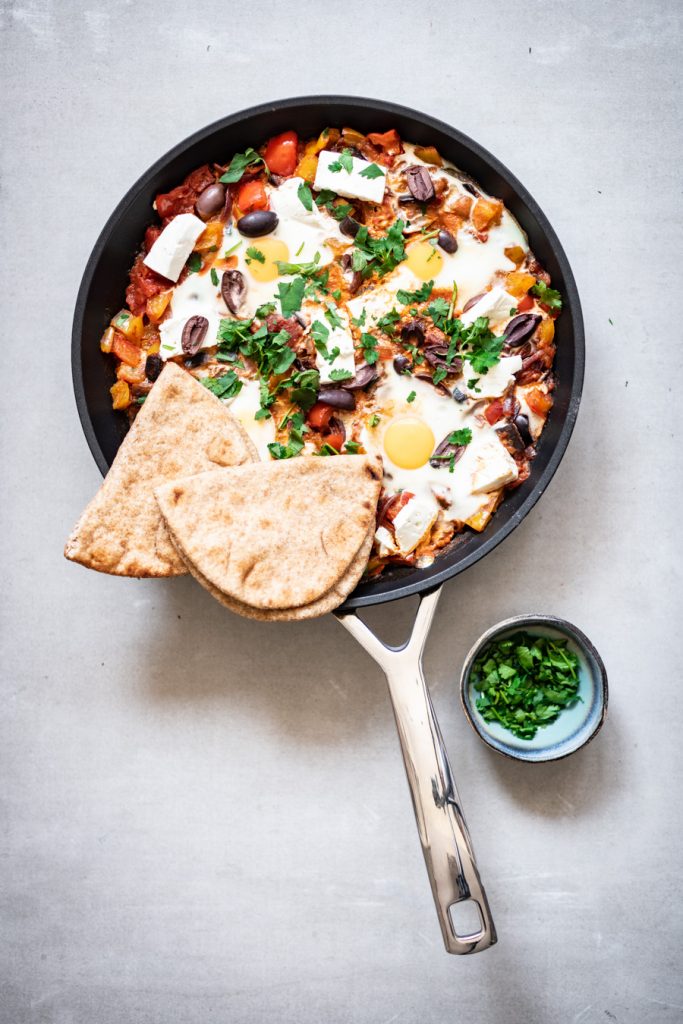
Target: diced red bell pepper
pixel 319 415
pixel 494 411
pixel 252 195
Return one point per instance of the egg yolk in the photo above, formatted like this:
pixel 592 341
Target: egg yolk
pixel 408 442
pixel 425 260
pixel 263 265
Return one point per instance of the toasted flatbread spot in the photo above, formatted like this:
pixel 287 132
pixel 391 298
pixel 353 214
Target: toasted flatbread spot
pixel 122 531
pixel 298 523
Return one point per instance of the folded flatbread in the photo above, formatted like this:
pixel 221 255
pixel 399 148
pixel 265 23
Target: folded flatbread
pixel 276 536
pixel 181 429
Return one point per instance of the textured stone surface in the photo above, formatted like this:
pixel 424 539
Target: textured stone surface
pixel 199 823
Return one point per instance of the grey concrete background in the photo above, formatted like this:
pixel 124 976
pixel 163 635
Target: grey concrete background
pixel 205 819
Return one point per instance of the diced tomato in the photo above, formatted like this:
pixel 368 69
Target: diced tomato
pixel 183 198
pixel 281 154
pixel 389 141
pixel 319 415
pixel 252 196
pixel 525 304
pixel 336 440
pixel 126 351
pixel 395 507
pixel 144 284
pixel 151 235
pixel 494 411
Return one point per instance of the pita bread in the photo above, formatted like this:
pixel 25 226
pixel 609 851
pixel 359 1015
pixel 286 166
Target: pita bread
pixel 276 535
pixel 181 429
pixel 327 603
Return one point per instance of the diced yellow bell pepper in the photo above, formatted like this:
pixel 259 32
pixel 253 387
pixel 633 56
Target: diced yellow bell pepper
pixel 546 331
pixel 515 254
pixel 486 213
pixel 157 305
pixel 429 154
pixel 481 517
pixel 308 165
pixel 518 283
pixel 120 395
pixel 130 326
pixel 132 374
pixel 353 137
pixel 210 238
pixel 107 339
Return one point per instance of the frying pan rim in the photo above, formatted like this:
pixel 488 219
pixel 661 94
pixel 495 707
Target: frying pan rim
pixel 412 583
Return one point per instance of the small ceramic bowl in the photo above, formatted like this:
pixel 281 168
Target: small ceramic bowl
pixel 574 727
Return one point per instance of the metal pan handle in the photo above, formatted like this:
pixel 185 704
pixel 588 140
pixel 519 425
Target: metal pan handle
pixel 445 839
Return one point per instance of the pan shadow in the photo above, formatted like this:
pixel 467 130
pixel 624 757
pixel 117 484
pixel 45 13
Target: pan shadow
pixel 200 653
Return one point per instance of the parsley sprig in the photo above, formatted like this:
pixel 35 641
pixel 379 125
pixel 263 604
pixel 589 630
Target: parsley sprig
pixel 525 682
pixel 550 297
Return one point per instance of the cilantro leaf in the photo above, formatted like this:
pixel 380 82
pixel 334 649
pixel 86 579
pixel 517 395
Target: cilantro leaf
pixel 412 396
pixel 305 196
pixel 379 254
pixel 460 437
pixel 290 294
pixel 344 162
pixel 373 171
pixel 337 375
pixel 228 385
pixel 420 295
pixel 214 276
pixel 548 296
pixel 328 199
pixel 352 447
pixel 369 345
pixel 255 254
pixel 194 263
pixel 239 164
pixel 387 323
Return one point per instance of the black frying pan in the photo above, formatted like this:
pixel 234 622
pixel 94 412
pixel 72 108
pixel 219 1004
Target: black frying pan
pixel 445 840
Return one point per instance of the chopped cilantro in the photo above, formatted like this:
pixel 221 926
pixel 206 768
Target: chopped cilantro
pixel 374 420
pixel 229 252
pixel 379 254
pixel 359 321
pixel 412 396
pixel 255 254
pixel 373 171
pixel 328 199
pixel 239 164
pixel 327 449
pixel 344 162
pixel 369 345
pixel 338 375
pixel 290 294
pixel 550 297
pixel 460 437
pixel 420 295
pixel 265 310
pixel 228 385
pixel 333 318
pixel 525 682
pixel 388 322
pixel 352 447
pixel 214 276
pixel 194 263
pixel 305 196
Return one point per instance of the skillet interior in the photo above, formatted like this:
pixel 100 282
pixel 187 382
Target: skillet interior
pixel 102 293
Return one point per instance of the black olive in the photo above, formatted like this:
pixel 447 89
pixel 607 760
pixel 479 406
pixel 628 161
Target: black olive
pixel 233 289
pixel 413 333
pixel 420 184
pixel 349 226
pixel 193 334
pixel 210 201
pixel 459 395
pixel 520 329
pixel 365 376
pixel 337 397
pixel 446 241
pixel 401 364
pixel 153 366
pixel 512 435
pixel 522 424
pixel 257 223
pixel 198 360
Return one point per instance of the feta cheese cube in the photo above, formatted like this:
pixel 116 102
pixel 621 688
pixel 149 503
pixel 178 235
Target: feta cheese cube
pixel 351 185
pixel 341 338
pixel 495 305
pixel 170 252
pixel 412 522
pixel 385 542
pixel 494 467
pixel 493 383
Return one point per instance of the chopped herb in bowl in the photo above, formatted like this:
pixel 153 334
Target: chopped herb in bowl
pixel 525 682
